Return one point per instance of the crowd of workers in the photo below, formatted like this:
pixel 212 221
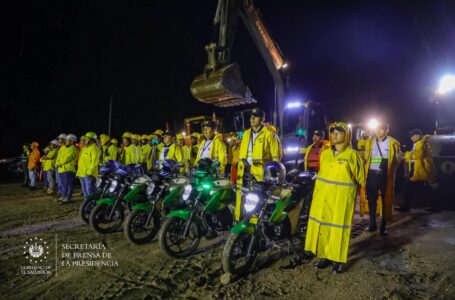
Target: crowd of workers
pixel 342 171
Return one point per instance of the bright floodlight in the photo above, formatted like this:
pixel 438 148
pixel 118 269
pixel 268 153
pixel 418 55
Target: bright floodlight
pixel 350 125
pixel 446 85
pixel 292 105
pixel 284 66
pixel 373 123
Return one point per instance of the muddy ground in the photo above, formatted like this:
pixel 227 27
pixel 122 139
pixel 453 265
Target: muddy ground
pixel 415 261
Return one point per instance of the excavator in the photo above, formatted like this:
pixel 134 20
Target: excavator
pixel 221 82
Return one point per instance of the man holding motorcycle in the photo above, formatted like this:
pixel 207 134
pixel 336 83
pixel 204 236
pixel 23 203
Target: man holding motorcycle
pixel 329 225
pixel 259 146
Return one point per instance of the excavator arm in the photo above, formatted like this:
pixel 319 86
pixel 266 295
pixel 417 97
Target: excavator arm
pixel 221 83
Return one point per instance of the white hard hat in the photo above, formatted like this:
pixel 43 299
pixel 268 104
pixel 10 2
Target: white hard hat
pixel 61 136
pixel 54 142
pixel 71 137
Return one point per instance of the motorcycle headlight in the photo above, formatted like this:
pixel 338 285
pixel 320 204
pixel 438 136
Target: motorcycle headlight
pixel 187 192
pixel 98 182
pixel 113 186
pixel 251 201
pixel 150 189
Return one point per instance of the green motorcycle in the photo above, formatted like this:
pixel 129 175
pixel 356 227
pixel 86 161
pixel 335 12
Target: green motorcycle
pixel 162 193
pixel 273 211
pixel 207 197
pixel 109 213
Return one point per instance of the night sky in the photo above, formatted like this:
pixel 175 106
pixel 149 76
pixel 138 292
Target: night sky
pixel 63 60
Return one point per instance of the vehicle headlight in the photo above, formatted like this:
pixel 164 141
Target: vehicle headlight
pixel 150 189
pixel 291 149
pixel 98 182
pixel 251 201
pixel 113 186
pixel 187 192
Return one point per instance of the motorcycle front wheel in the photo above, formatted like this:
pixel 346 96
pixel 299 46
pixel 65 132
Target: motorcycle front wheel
pixel 85 209
pixel 171 239
pixel 100 220
pixel 137 231
pixel 235 259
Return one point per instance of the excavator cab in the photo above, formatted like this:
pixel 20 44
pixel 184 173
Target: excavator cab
pixel 221 84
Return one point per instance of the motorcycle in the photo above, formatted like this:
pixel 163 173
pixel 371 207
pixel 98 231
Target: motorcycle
pixel 207 197
pixel 101 187
pixel 163 193
pixel 109 213
pixel 275 211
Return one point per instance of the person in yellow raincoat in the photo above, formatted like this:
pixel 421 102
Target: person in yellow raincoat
pixel 260 145
pixel 420 164
pixel 145 150
pixel 186 152
pixel 88 165
pixel 49 165
pixel 66 164
pixel 129 153
pixel 170 151
pixel 364 136
pixel 332 208
pixel 212 146
pixel 313 151
pixel 109 149
pixel 382 156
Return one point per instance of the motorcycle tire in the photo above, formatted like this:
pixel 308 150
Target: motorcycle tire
pixel 230 253
pixel 135 231
pixel 169 236
pixel 98 218
pixel 85 209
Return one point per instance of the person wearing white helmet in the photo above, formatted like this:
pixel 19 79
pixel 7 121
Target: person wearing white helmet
pixel 61 142
pixel 66 163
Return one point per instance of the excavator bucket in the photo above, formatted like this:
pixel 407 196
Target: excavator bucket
pixel 222 87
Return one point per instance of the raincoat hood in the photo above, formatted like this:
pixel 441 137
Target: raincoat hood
pixel 347 141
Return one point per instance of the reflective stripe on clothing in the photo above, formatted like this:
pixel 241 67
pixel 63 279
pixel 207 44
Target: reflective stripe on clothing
pixel 334 182
pixel 329 224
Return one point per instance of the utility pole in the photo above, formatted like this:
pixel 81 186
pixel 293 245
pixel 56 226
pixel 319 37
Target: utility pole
pixel 110 116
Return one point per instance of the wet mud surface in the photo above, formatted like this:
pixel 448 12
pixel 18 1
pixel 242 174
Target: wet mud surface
pixel 415 261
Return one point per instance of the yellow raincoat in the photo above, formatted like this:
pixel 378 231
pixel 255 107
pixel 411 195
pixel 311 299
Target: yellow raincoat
pixel 217 151
pixel 89 161
pixel 111 153
pixel 66 160
pixel 332 208
pixel 266 148
pixel 393 162
pixel 131 155
pixel 49 160
pixel 154 155
pixel 145 152
pixel 422 158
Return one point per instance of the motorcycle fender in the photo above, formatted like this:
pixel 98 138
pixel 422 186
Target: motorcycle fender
pixel 107 201
pixel 142 206
pixel 243 227
pixel 180 213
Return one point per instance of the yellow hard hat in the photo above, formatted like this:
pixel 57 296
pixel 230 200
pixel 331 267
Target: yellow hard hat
pixel 136 137
pixel 102 135
pixel 195 135
pixel 114 141
pixel 180 136
pixel 159 132
pixel 127 135
pixel 152 136
pixel 104 139
pixel 91 135
pixel 145 137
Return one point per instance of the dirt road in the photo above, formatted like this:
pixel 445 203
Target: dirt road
pixel 415 261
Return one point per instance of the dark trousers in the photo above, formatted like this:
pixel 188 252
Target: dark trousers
pixel 412 188
pixel 67 179
pixel 376 183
